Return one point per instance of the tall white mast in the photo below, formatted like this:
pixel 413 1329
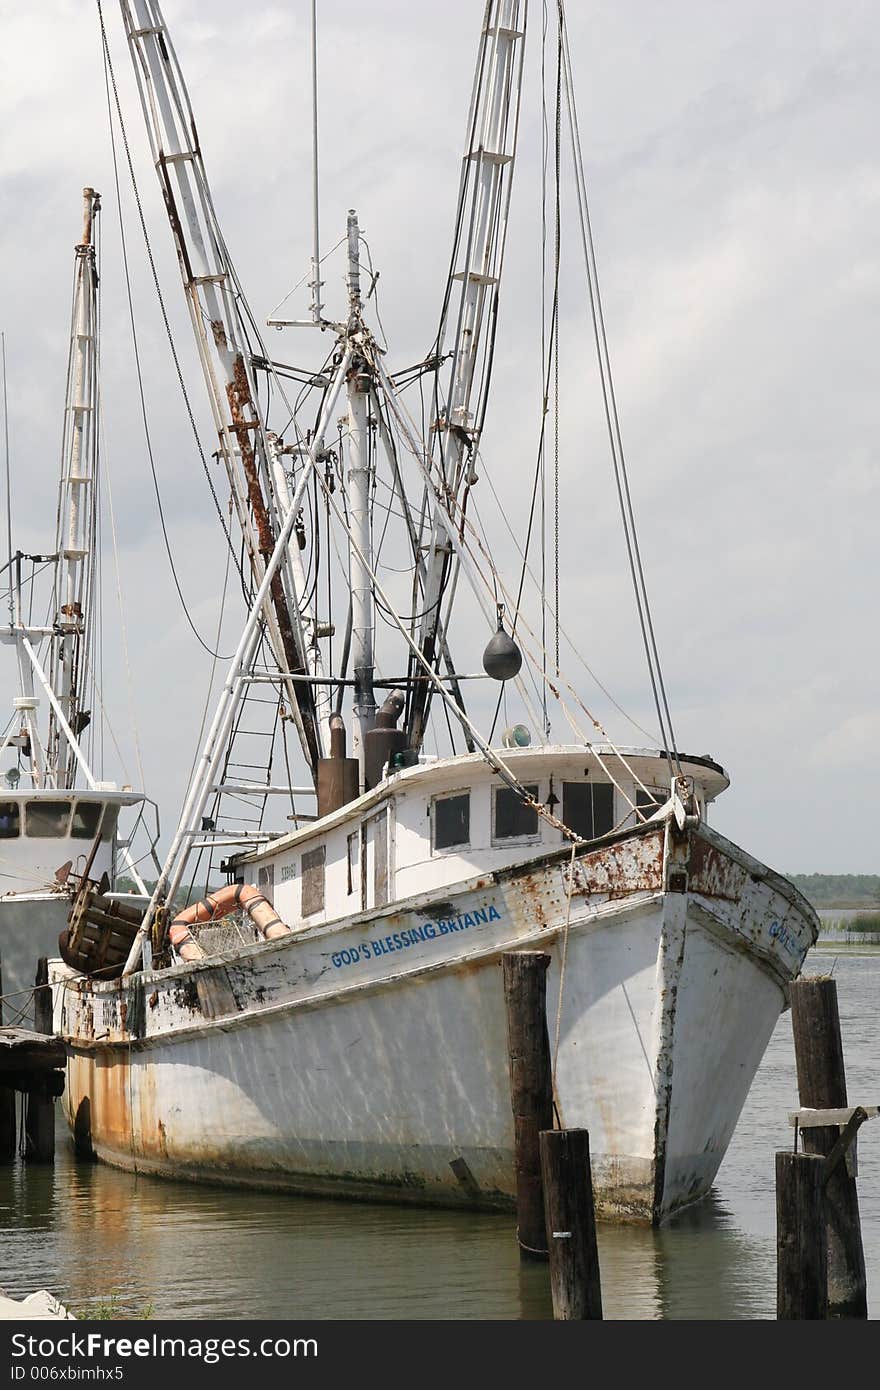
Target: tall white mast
pixel 76 507
pixel 359 475
pixel 218 314
pixel 484 197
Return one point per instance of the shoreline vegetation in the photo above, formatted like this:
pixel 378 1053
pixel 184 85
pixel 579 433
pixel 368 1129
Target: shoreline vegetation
pixel 848 892
pixel 865 926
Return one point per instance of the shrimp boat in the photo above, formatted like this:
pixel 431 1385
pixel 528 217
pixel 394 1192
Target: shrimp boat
pixel 332 1020
pixel 55 815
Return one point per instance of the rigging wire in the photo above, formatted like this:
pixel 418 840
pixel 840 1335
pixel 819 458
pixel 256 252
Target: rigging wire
pixel 545 143
pixel 611 413
pixel 108 75
pixel 420 455
pixel 549 354
pixel 108 68
pixel 122 624
pixel 484 473
pixel 8 480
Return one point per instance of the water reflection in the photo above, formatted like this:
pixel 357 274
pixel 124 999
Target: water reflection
pixel 88 1233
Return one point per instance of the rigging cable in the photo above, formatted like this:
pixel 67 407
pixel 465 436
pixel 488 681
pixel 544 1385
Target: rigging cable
pixel 611 413
pixel 8 481
pixel 544 154
pixel 539 462
pixel 108 68
pixel 123 629
pixel 147 436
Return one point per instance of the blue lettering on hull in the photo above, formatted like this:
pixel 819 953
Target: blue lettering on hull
pixel 377 946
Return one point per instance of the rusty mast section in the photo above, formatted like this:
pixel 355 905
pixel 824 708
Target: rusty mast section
pixel 217 311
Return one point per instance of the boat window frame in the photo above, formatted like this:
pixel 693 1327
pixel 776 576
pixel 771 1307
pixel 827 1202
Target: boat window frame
pixel 659 797
pixel 353 862
pixel 378 884
pixel 43 805
pixel 502 841
pixel 14 810
pixel 99 807
pixel 592 783
pixel 459 845
pixel 308 876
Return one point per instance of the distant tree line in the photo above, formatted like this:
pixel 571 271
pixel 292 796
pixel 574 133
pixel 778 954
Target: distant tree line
pixel 839 890
pixel 124 884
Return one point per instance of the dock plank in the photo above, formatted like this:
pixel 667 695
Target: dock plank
pixel 21 1049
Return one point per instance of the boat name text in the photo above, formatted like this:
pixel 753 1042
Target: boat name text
pixel 378 946
pixel 789 943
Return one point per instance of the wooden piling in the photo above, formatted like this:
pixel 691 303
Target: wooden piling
pixel 570 1225
pixel 39 1129
pixel 531 1088
pixel 42 998
pixel 822 1086
pixel 801 1247
pixel 8 1134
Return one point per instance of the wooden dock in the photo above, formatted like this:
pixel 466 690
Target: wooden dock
pixel 33 1064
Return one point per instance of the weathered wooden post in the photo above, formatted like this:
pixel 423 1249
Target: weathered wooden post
pixel 8 1133
pixel 822 1086
pixel 40 1115
pixel 571 1224
pixel 531 1088
pixel 801 1247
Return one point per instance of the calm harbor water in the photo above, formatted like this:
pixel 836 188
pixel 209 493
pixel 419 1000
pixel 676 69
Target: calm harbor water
pixel 90 1234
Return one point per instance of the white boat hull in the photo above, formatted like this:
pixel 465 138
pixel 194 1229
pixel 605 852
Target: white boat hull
pixel 30 924
pixel 364 1058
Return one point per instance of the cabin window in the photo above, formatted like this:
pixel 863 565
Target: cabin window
pixel 650 800
pixel 452 821
pixel 313 881
pixel 512 819
pixel 10 818
pixel 86 819
pixel 108 824
pixel 588 808
pixel 377 847
pixel 354 855
pixel 47 819
pixel 266 881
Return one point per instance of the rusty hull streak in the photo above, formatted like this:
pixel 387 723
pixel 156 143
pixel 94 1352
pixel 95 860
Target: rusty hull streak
pixel 617 870
pixel 713 874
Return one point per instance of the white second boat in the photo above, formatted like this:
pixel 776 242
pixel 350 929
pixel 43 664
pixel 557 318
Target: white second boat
pixel 56 816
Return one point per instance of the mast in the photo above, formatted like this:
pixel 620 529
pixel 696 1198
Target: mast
pixel 74 540
pixel 478 250
pixel 221 324
pixel 315 282
pixel 360 475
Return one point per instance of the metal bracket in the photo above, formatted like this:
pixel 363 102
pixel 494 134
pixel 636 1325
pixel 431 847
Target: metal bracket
pixel 848 1120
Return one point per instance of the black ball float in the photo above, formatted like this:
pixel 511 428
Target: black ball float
pixel 502 657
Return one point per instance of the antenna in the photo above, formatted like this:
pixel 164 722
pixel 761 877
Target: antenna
pixel 316 308
pixel 316 282
pixel 8 481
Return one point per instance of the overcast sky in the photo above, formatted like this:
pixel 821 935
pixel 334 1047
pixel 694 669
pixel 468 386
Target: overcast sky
pixel 735 194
